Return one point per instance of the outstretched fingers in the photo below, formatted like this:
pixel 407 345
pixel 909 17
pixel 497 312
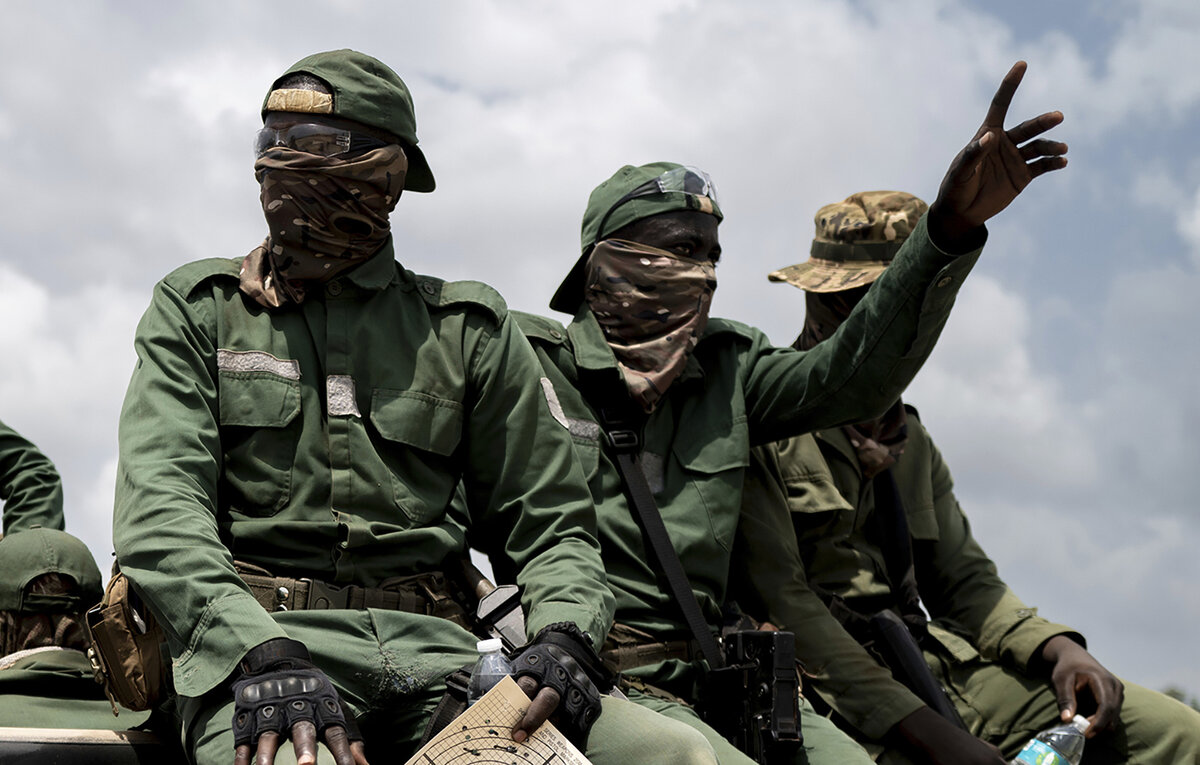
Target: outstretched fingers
pixel 1004 95
pixel 1043 148
pixel 1035 126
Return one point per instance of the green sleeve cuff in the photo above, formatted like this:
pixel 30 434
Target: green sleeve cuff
pixel 590 621
pixel 227 629
pixel 1014 638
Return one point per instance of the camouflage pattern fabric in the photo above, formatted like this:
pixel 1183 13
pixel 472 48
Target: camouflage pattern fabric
pixel 606 197
pixel 324 215
pixel 652 306
pixel 855 240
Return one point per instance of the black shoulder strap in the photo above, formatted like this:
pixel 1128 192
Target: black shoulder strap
pixel 624 440
pixel 895 540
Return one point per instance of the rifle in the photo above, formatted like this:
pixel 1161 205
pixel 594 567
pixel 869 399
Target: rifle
pixel 900 652
pixel 754 699
pixel 499 611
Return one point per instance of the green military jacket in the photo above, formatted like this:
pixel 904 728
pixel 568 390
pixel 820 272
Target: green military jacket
pixel 326 440
pixel 29 485
pixel 974 614
pixel 54 688
pixel 737 390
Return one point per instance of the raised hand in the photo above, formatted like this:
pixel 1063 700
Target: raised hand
pixel 991 170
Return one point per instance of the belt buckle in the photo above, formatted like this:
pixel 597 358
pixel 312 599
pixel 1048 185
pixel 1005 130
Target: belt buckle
pixel 326 596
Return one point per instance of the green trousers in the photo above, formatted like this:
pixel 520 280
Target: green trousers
pixel 393 693
pixel 1007 708
pixel 824 744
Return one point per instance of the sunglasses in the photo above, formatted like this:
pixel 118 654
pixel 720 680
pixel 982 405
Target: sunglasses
pixel 311 138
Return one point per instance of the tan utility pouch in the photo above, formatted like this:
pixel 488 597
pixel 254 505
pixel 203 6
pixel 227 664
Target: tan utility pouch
pixel 127 649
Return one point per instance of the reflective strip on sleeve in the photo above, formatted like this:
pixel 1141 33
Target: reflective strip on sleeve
pixel 552 399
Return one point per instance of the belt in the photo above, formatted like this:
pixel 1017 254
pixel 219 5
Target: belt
pixel 627 647
pixel 427 593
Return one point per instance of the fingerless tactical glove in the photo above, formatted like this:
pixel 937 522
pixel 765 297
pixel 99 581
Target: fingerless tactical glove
pixel 279 686
pixel 561 657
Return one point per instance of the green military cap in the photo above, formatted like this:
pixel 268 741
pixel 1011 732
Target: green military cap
pixel 362 89
pixel 855 240
pixel 28 554
pixel 633 193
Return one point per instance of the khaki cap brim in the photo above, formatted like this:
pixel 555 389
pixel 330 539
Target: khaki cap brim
pixel 817 275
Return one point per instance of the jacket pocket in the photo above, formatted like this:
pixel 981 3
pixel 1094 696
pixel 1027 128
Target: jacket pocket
pixel 259 432
pixel 715 463
pixel 429 429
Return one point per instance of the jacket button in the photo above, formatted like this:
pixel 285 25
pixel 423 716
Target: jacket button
pixel 334 288
pixel 944 281
pixel 428 288
pixel 556 334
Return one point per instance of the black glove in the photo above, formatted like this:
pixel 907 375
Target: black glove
pixel 561 657
pixel 278 687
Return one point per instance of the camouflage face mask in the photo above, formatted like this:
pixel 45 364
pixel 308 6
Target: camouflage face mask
pixel 652 306
pixel 324 215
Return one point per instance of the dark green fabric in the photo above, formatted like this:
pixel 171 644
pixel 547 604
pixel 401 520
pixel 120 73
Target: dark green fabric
pixel 737 390
pixel 386 692
pixel 29 554
pixel 246 461
pixel 55 689
pixel 29 485
pixel 366 90
pixel 975 616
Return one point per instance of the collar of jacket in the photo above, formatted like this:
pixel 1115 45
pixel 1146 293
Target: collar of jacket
pixel 377 272
pixel 837 438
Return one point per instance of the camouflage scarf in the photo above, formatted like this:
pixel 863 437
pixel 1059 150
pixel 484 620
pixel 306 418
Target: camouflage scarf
pixel 879 442
pixel 324 215
pixel 653 307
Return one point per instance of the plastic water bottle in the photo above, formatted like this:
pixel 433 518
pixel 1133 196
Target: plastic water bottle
pixel 491 666
pixel 1060 745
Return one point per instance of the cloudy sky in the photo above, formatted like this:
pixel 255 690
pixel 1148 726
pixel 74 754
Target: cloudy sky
pixel 1062 393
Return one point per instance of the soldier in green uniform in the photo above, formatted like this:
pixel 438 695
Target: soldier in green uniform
pixel 877 527
pixel 696 392
pixel 48 579
pixel 29 485
pixel 295 427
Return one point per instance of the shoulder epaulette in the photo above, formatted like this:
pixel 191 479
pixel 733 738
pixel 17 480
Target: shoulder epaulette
pixel 540 328
pixel 190 276
pixel 441 294
pixel 729 326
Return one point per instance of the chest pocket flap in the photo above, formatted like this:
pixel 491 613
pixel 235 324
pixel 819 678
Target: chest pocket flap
pixel 417 420
pixel 258 399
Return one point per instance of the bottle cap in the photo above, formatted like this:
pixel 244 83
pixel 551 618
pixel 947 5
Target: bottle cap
pixel 490 645
pixel 1081 723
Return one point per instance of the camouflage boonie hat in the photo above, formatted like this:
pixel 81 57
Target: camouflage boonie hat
pixel 28 554
pixel 363 89
pixel 600 203
pixel 855 241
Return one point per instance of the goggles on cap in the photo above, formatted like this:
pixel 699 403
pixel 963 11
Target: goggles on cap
pixel 684 180
pixel 312 138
